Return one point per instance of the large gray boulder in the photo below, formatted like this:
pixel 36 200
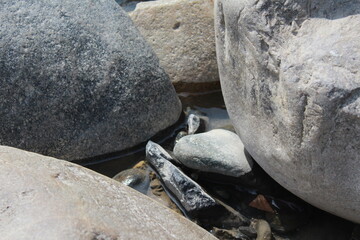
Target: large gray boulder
pixel 290 76
pixel 77 79
pixel 46 198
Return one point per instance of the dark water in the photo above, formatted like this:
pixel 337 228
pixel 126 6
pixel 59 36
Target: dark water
pixel 315 225
pixel 113 163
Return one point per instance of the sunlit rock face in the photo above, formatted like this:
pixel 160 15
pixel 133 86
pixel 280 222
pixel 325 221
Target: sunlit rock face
pixel 47 198
pixel 181 32
pixel 290 77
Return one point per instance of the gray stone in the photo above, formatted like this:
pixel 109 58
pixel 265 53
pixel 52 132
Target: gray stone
pixel 181 32
pixel 137 179
pixel 46 198
pixel 78 80
pixel 290 77
pixel 217 151
pixel 193 123
pixel 192 198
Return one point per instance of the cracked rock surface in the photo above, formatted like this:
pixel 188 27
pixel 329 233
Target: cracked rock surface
pixel 290 77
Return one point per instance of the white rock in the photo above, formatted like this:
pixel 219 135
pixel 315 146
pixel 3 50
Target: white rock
pixel 217 151
pixel 290 76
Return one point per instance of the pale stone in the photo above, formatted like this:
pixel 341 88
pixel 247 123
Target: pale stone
pixel 217 151
pixel 290 76
pixel 46 198
pixel 181 32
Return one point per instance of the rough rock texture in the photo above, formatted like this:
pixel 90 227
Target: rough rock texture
pixel 290 76
pixel 181 33
pixel 217 151
pixel 77 79
pixel 46 198
pixel 190 195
